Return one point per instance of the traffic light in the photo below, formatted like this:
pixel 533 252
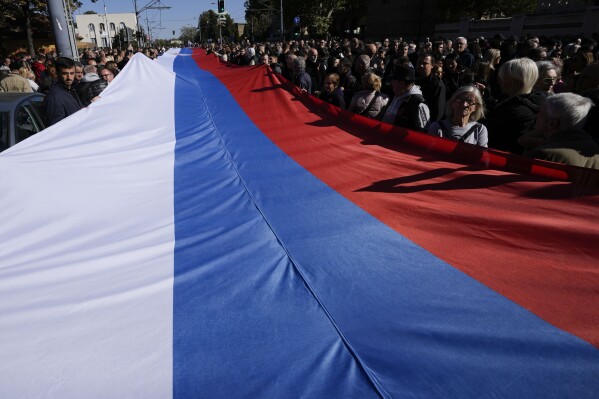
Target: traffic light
pixel 221 6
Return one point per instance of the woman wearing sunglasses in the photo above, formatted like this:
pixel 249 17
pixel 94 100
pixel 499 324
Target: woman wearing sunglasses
pixel 548 77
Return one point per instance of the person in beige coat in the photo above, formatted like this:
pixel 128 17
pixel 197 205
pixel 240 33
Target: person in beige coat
pixel 560 122
pixel 371 101
pixel 15 83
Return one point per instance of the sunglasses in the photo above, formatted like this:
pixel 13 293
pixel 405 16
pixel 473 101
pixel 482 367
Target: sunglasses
pixel 468 101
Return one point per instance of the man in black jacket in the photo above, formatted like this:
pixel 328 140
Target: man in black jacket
pixel 433 88
pixel 62 100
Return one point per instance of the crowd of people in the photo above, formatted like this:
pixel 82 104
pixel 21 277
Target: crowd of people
pixel 531 96
pixel 68 85
pixel 487 92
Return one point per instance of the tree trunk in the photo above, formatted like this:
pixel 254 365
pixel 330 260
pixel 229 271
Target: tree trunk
pixel 28 28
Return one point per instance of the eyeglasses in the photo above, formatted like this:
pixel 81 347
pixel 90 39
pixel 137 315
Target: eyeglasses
pixel 550 80
pixel 468 101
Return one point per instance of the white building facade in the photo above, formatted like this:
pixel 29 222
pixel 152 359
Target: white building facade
pixel 103 29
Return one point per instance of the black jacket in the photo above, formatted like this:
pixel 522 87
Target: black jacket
pixel 511 119
pixel 433 91
pixel 61 102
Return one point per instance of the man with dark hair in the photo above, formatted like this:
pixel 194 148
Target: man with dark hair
pixel 433 88
pixel 125 60
pixel 62 100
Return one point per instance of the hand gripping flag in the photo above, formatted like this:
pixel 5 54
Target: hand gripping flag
pixel 204 230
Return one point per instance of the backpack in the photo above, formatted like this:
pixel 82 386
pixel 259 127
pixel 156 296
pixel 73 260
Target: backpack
pixel 407 114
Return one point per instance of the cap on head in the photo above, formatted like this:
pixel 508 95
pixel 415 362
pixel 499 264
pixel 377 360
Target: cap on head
pixel 404 73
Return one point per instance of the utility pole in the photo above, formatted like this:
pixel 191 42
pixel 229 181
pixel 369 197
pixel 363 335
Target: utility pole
pixel 200 27
pixel 152 5
pixel 282 31
pixel 221 17
pixel 149 37
pixel 62 28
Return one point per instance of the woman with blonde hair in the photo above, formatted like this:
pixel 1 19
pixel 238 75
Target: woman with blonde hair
pixel 30 76
pixel 464 109
pixel 494 57
pixel 371 101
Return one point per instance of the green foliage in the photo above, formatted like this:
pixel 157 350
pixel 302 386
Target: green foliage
pixel 209 26
pixel 316 15
pixel 27 18
pixel 261 17
pixel 188 33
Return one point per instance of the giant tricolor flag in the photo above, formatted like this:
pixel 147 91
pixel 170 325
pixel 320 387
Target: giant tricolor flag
pixel 205 231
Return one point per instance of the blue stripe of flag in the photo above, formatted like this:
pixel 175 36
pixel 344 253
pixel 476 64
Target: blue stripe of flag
pixel 284 288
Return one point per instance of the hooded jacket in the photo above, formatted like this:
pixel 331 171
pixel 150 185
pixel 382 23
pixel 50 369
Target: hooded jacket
pixel 408 110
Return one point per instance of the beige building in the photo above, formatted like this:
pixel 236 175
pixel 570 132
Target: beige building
pixel 103 29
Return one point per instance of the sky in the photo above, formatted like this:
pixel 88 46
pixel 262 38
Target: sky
pixel 164 22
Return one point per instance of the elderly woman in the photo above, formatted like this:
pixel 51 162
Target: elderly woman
pixel 561 120
pixel 548 76
pixel 516 115
pixel 463 111
pixel 369 102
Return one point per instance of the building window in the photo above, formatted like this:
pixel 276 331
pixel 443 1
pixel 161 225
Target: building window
pixel 112 27
pixel 102 28
pixel 92 32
